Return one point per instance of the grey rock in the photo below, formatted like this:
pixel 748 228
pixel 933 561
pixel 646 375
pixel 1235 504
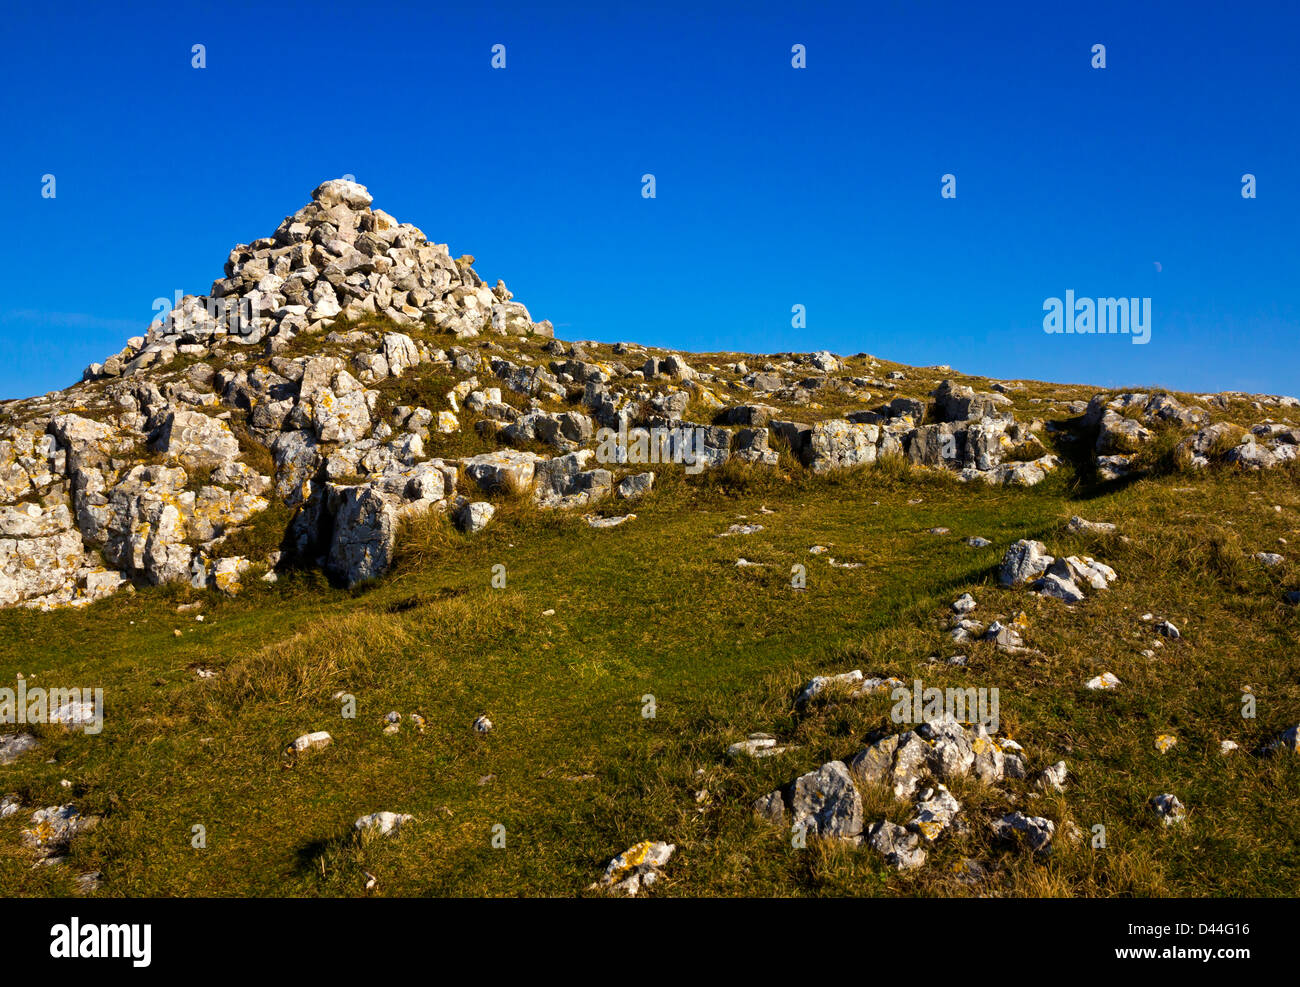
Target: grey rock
pixel 1024 561
pixel 1059 588
pixel 638 485
pixel 875 764
pixel 990 762
pixel 1082 571
pixel 958 403
pixel 935 811
pixel 1251 455
pixel 508 471
pixel 562 482
pixel 473 516
pixel 840 444
pixel 382 823
pixel 636 868
pixel 365 532
pixel 196 440
pixel 341 192
pixel 1168 807
pixel 1079 526
pixel 1053 778
pixel 911 761
pixel 54 827
pixel 952 754
pixel 770 808
pixel 14 744
pixel 1033 831
pixel 827 803
pixel 751 446
pixel 964 604
pixel 900 847
pixel 1120 435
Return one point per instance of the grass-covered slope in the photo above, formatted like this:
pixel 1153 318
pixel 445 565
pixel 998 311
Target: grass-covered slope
pixel 574 771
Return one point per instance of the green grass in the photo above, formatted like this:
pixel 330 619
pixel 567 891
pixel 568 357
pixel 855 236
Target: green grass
pixel 657 607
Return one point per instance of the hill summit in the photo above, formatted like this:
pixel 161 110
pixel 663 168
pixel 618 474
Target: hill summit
pixel 346 375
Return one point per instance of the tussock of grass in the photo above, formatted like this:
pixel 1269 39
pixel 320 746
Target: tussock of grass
pixel 262 534
pixel 313 661
pixel 251 452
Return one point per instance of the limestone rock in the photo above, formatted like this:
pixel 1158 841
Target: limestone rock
pixel 307 741
pixel 1024 561
pixel 1105 682
pixel 826 802
pixel 502 471
pixel 935 811
pixel 53 828
pixel 365 532
pixel 757 745
pixel 1059 587
pixel 900 847
pixel 196 440
pixel 1079 525
pixel 638 485
pixel 382 823
pixel 14 744
pixel 474 516
pixel 1168 807
pixel 563 482
pixel 341 192
pixel 839 444
pixel 1034 832
pixel 770 808
pixel 636 868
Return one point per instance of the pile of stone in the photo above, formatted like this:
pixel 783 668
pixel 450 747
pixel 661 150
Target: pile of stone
pixel 1027 561
pixel 84 505
pixel 914 766
pixel 335 257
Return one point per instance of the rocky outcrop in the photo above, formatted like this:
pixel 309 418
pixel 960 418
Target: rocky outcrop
pixel 958 403
pixel 914 766
pixel 86 504
pixel 1127 422
pixel 145 469
pixel 975 436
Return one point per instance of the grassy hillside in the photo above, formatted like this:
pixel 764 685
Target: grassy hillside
pixel 657 607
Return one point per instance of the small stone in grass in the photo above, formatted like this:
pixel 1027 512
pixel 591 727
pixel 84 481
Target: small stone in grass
pixel 384 823
pixel 1168 808
pixel 307 741
pixel 1104 681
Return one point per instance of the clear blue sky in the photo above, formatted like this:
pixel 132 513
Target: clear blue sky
pixel 775 186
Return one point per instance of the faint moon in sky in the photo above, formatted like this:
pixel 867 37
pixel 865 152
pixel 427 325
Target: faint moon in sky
pixel 1158 267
